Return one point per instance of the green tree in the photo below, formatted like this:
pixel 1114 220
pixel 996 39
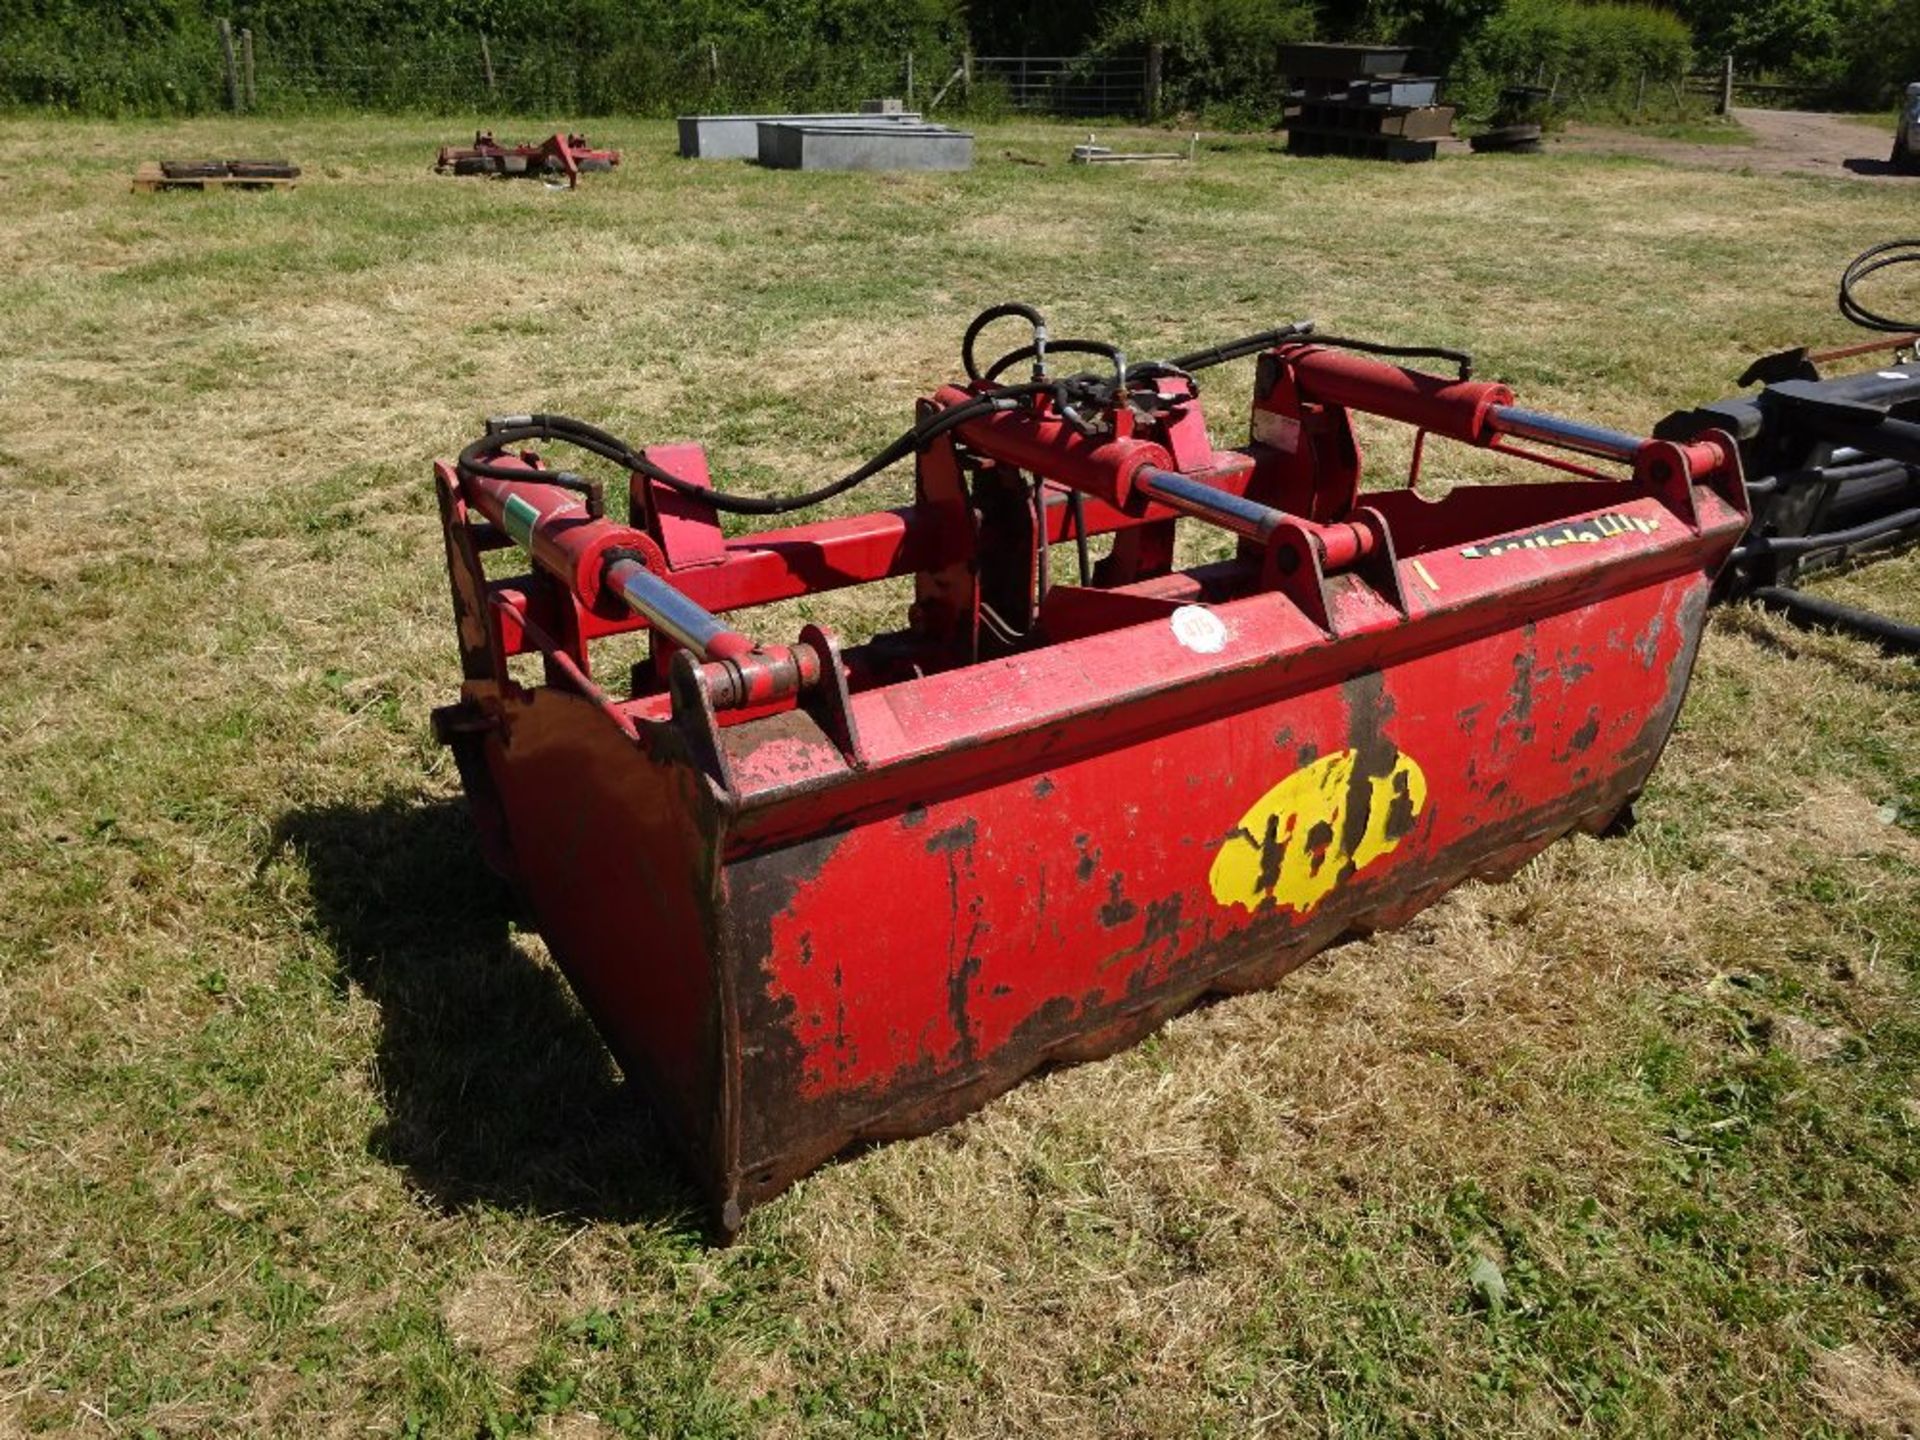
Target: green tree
pixel 1220 54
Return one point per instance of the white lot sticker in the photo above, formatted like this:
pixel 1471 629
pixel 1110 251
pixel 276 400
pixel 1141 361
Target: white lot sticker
pixel 1199 629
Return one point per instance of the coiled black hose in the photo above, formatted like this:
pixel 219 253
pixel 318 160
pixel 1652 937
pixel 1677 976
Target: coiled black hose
pixel 1110 353
pixel 1871 261
pixel 1000 312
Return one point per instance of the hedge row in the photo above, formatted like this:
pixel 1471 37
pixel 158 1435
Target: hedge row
pixel 657 57
pixel 1585 52
pixel 646 57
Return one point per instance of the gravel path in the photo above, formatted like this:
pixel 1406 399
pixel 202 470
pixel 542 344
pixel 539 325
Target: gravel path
pixel 1784 142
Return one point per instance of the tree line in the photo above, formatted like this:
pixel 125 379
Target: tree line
pixel 655 57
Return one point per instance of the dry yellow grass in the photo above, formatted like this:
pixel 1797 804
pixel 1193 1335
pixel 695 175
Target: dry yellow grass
pixel 305 1136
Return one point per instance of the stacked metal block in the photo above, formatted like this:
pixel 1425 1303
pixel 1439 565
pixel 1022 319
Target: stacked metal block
pixel 1360 100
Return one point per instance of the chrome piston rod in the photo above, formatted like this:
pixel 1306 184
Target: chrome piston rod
pixel 1201 501
pixel 685 621
pixel 1563 434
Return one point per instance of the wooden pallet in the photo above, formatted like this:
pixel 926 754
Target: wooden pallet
pixel 151 177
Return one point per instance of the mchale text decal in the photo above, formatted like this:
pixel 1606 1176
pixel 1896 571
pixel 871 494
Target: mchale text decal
pixel 1574 532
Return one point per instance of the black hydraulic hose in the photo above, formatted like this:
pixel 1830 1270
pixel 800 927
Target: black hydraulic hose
pixel 1000 312
pixel 479 458
pixel 1875 468
pixel 1459 359
pixel 1043 554
pixel 1077 499
pixel 1786 547
pixel 1110 353
pixel 1872 261
pixel 1811 612
pixel 1150 370
pixel 474 461
pixel 1303 330
pixel 1842 477
pixel 484 455
pixel 1239 349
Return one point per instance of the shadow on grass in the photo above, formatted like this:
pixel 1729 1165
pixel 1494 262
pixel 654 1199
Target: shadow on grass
pixel 1868 666
pixel 496 1086
pixel 1862 166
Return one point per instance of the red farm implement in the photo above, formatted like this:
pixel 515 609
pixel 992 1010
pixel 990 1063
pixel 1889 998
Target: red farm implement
pixel 816 893
pixel 559 154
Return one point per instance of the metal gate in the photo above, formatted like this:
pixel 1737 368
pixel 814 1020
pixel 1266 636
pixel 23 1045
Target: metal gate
pixel 1066 84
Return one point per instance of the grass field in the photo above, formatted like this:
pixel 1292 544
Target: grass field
pixel 304 1136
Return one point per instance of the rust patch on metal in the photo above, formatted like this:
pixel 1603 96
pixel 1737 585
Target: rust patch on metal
pixel 1089 861
pixel 1647 647
pixel 1573 671
pixel 1164 924
pixel 954 837
pixel 1369 708
pixel 1118 910
pixel 1582 739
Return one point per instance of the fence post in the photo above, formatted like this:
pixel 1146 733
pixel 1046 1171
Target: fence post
pixel 1640 96
pixel 713 61
pixel 486 59
pixel 909 79
pixel 1153 81
pixel 233 73
pixel 966 75
pixel 1726 85
pixel 246 66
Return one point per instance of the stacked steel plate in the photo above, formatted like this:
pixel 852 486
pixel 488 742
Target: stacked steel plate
pixel 1361 100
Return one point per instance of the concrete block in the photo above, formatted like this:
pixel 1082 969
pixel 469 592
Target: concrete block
pixel 735 137
pixel 768 149
pixel 786 145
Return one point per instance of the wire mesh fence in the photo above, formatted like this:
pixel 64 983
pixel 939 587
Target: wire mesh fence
pixel 1087 85
pixel 474 73
pixel 201 71
pixel 212 65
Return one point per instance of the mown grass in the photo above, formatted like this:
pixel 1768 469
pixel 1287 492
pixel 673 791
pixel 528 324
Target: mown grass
pixel 305 1136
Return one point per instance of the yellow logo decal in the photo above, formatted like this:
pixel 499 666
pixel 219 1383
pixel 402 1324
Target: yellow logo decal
pixel 1316 827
